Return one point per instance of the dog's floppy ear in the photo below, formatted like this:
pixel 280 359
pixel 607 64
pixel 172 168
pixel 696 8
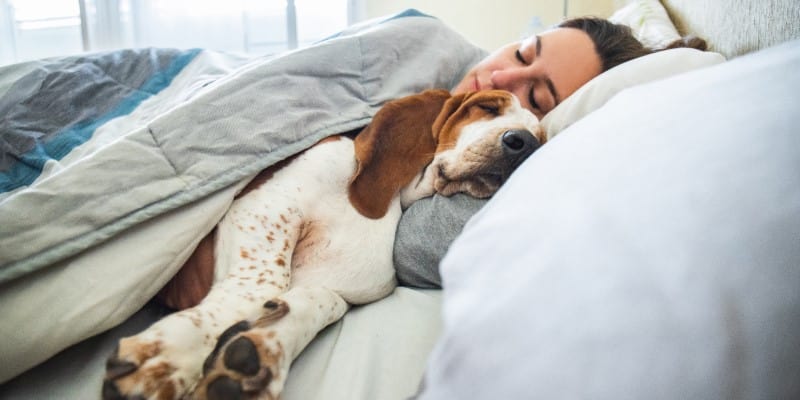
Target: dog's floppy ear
pixel 392 150
pixel 450 107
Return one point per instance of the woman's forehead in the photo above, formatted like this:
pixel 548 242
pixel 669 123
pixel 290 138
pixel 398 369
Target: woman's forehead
pixel 569 56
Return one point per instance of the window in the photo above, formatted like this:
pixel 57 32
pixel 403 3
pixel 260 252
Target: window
pixel 32 29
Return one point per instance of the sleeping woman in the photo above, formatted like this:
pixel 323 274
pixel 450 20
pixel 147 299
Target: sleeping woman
pixel 541 71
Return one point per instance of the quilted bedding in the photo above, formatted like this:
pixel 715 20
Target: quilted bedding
pixel 101 147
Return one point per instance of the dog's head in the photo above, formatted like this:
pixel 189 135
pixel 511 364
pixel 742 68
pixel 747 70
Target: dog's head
pixel 435 142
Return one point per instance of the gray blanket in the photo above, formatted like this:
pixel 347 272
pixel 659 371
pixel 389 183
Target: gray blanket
pixel 243 122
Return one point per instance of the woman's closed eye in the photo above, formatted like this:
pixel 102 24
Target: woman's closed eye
pixel 519 57
pixel 531 98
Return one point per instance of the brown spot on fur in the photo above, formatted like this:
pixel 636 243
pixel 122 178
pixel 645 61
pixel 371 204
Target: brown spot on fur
pixel 155 378
pixel 280 261
pixel 284 219
pixel 137 350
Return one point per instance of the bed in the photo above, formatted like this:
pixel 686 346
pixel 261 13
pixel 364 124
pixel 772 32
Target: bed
pixel 662 259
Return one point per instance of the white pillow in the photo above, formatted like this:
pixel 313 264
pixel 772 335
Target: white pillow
pixel 603 87
pixel 650 252
pixel 649 21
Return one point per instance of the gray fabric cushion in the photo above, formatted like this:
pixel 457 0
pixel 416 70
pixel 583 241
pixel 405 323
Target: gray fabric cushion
pixel 652 250
pixel 424 234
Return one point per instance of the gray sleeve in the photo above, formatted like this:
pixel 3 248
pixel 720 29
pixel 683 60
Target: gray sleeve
pixel 424 234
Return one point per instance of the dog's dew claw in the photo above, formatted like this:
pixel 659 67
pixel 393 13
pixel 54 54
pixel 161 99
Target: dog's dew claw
pixel 275 309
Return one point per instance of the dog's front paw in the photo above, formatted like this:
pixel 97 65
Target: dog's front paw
pixel 145 367
pixel 248 361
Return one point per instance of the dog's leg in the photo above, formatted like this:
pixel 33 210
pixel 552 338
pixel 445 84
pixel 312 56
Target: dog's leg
pixel 255 243
pixel 254 362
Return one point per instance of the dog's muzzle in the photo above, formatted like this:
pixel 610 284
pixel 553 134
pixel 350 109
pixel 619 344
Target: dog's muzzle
pixel 518 144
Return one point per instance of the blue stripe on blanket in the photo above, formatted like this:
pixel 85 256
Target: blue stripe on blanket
pixel 29 164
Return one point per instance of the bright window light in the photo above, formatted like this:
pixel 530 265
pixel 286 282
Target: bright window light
pixel 42 28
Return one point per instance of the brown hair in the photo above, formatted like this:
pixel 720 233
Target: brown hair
pixel 615 43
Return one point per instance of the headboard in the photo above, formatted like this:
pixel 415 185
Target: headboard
pixel 736 27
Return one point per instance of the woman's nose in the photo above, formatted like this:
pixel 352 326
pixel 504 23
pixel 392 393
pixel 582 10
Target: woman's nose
pixel 509 79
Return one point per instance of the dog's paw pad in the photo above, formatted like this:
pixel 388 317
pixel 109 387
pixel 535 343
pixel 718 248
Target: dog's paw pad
pixel 241 356
pixel 224 388
pixel 224 338
pixel 243 368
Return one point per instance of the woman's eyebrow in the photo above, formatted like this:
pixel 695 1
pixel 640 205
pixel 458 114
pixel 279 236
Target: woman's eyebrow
pixel 547 81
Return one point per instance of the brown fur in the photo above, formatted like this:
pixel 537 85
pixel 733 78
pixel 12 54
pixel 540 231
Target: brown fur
pixel 381 173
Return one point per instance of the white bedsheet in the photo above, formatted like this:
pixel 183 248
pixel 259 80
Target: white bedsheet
pixel 377 351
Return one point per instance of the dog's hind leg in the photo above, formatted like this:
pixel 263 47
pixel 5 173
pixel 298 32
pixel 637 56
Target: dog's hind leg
pixel 255 360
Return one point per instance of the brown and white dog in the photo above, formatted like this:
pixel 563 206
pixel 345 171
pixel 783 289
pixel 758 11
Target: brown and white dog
pixel 314 235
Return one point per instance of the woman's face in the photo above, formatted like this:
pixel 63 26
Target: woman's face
pixel 541 71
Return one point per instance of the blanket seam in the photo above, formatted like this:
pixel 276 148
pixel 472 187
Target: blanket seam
pixel 167 158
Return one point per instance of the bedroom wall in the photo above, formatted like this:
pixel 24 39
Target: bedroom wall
pixel 490 26
pixel 737 27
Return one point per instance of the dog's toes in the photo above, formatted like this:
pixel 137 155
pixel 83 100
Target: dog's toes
pixel 111 391
pixel 117 368
pixel 138 369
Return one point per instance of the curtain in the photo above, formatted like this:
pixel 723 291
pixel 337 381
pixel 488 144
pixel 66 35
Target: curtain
pixel 40 28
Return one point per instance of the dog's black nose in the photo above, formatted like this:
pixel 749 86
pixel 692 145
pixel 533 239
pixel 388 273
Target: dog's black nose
pixel 519 142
